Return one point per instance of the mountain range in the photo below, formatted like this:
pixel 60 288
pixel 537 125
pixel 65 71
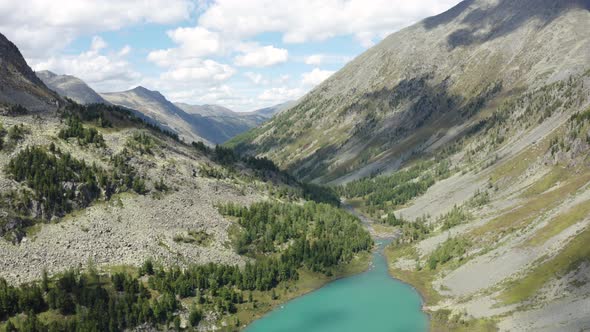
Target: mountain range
pixel 212 124
pixel 71 87
pixel 465 138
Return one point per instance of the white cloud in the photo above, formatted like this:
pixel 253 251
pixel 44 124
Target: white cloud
pixel 196 41
pixel 281 94
pixel 104 72
pixel 315 77
pixel 97 44
pixel 305 20
pixel 256 78
pixel 314 60
pixel 41 27
pixel 319 59
pixel 200 70
pixel 125 50
pixel 283 79
pixel 193 43
pixel 179 68
pixel 261 56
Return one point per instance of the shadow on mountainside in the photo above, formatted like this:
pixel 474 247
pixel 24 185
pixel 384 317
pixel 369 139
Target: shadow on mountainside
pixel 385 118
pixel 483 24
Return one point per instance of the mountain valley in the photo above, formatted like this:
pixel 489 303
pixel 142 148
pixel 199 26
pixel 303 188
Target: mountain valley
pixel 463 139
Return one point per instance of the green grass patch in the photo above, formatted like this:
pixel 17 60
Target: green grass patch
pixel 442 320
pixel 518 164
pixel 125 269
pixel 200 238
pixel 559 223
pixel 547 182
pixel 568 259
pixel 528 211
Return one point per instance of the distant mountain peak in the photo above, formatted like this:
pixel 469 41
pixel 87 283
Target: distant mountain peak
pixel 140 88
pixel 70 87
pixel 153 94
pixel 45 74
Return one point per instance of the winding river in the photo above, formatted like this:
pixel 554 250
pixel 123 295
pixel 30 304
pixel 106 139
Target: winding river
pixel 372 301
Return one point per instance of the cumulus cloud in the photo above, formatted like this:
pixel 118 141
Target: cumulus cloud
pixel 199 70
pixel 196 41
pixel 319 59
pixel 315 77
pixel 256 78
pixel 314 60
pixel 125 50
pixel 305 20
pixel 41 27
pixel 104 72
pixel 261 56
pixel 280 94
pixel 97 44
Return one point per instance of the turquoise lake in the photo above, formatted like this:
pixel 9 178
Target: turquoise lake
pixel 371 301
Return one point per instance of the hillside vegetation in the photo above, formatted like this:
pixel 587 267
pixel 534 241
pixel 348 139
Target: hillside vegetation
pixel 468 135
pixel 127 226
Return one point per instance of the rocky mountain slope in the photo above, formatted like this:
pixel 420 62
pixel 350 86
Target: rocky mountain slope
pixel 71 87
pixel 18 83
pixel 469 135
pixel 269 112
pixel 419 84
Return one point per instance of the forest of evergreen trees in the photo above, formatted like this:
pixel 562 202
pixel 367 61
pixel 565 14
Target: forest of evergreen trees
pixel 84 135
pixel 61 182
pixel 106 116
pixel 386 192
pixel 321 236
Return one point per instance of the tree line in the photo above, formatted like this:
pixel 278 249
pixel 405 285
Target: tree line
pixel 61 182
pixel 316 236
pixel 84 136
pixel 321 236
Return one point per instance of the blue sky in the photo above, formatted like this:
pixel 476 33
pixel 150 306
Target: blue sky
pixel 242 54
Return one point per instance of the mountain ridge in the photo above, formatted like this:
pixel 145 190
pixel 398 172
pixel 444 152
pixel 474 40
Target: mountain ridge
pixel 71 87
pixel 214 125
pixel 427 56
pixel 18 82
pixel 154 105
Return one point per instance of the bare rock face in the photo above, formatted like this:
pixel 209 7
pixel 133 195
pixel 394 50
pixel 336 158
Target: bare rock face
pixel 71 87
pixel 18 83
pixel 398 97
